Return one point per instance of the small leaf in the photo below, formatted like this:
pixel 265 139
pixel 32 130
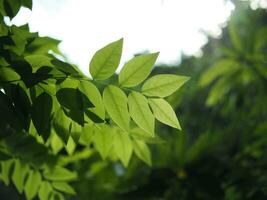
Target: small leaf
pixel 137 70
pixel 142 151
pixel 123 147
pixel 60 174
pixel 164 113
pixel 106 60
pixel 115 102
pixel 45 191
pixel 41 112
pixel 32 184
pixel 163 85
pixel 64 187
pixel 140 112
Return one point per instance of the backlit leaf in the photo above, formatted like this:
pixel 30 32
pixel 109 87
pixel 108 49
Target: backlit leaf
pixel 106 60
pixel 163 85
pixel 140 112
pixel 137 70
pixel 115 102
pixel 164 113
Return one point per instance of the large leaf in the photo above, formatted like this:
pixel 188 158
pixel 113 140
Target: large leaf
pixel 106 60
pixel 41 113
pixel 140 112
pixel 115 102
pixel 164 113
pixel 142 151
pixel 123 147
pixel 137 70
pixel 32 184
pixel 163 85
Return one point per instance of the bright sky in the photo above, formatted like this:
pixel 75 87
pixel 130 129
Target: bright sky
pixel 168 26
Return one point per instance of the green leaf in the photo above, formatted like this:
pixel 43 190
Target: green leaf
pixel 19 175
pixel 45 191
pixel 6 170
pixel 140 112
pixel 62 125
pixel 27 3
pixel 63 187
pixel 163 85
pixel 75 131
pixel 41 112
pixel 32 184
pixel 142 151
pixel 64 67
pixel 37 61
pixel 103 140
pixel 91 91
pixel 115 102
pixel 60 174
pixel 11 7
pixel 71 146
pixel 137 70
pixel 75 101
pixel 123 147
pixel 106 60
pixel 164 113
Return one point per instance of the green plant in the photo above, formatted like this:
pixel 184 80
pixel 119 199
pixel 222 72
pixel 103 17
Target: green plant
pixel 52 115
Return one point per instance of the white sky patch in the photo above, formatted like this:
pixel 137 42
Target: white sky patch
pixel 168 26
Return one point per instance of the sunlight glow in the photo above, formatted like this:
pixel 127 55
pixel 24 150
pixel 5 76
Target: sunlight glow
pixel 169 26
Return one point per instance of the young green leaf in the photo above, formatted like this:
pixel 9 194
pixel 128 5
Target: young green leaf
pixel 115 102
pixel 63 187
pixel 140 112
pixel 32 184
pixel 163 85
pixel 142 151
pixel 45 191
pixel 41 112
pixel 19 175
pixel 123 147
pixel 106 60
pixel 164 113
pixel 137 70
pixel 60 174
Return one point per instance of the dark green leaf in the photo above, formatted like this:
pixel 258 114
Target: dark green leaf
pixel 41 114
